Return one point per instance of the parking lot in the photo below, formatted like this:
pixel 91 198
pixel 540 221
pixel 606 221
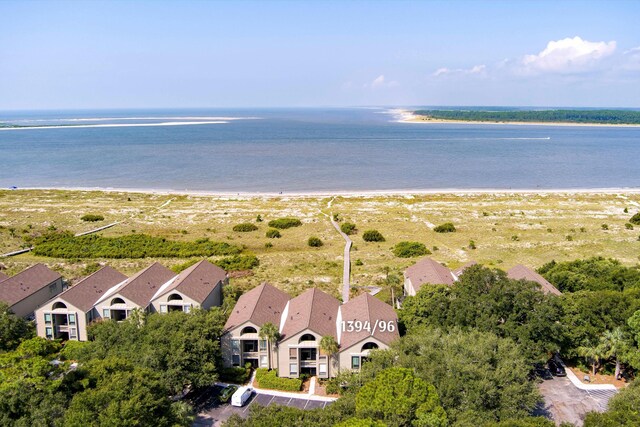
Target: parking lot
pixel 212 413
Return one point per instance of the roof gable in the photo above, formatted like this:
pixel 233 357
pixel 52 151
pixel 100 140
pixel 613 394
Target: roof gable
pixel 313 310
pixel 197 281
pixel 260 305
pixel 88 291
pixel 26 283
pixel 144 284
pixel 428 271
pixel 374 314
pixel 521 272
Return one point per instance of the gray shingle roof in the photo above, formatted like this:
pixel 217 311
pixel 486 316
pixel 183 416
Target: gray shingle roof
pixel 428 271
pixel 26 283
pixel 521 272
pixel 313 309
pixel 367 308
pixel 87 291
pixel 141 287
pixel 197 281
pixel 260 305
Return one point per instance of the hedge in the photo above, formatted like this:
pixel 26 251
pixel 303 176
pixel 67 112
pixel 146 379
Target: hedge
pixel 447 227
pixel 66 245
pixel 283 223
pixel 270 379
pixel 372 236
pixel 245 227
pixel 92 218
pixel 236 375
pixel 410 249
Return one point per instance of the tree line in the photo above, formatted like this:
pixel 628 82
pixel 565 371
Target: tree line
pixel 551 116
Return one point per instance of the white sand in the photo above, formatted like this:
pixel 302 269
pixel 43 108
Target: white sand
pixel 115 125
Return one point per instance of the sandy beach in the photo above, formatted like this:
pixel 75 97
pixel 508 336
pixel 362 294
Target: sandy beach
pixel 407 116
pixel 353 193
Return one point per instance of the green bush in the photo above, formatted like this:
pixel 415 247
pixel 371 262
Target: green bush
pixel 628 226
pixel 236 375
pixel 447 227
pixel 272 233
pixel 372 236
pixel 283 223
pixel 410 249
pixel 245 227
pixel 314 242
pixel 238 262
pixel 635 219
pixel 348 228
pixel 66 245
pixel 92 218
pixel 270 379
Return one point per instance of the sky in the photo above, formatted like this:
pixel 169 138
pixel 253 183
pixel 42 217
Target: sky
pixel 184 54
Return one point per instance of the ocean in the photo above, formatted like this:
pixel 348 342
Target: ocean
pixel 306 150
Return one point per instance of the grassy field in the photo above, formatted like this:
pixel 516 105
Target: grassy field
pixel 507 229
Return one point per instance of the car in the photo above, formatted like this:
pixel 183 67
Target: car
pixel 227 392
pixel 539 370
pixel 556 368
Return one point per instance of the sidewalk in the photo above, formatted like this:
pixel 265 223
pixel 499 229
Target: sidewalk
pixel 288 394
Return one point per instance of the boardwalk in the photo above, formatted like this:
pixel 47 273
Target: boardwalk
pixel 346 274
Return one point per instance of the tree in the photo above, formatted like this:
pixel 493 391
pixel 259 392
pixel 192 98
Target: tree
pixel 614 345
pixel 329 346
pixel 593 354
pixel 13 329
pixel 269 332
pixel 397 397
pixel 622 409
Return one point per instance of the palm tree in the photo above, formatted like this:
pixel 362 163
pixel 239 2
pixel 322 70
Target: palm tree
pixel 329 346
pixel 593 354
pixel 613 345
pixel 269 332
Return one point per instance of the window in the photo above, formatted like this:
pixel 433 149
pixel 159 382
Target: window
pixel 355 362
pixel 293 369
pixel 369 346
pixel 117 301
pixel 47 318
pixel 48 332
pixel 235 346
pixel 58 304
pixel 72 319
pixel 163 308
pixel 248 330
pixel 235 359
pixel 323 369
pixel 187 309
pixel 106 313
pixel 307 337
pixel 263 345
pixel 263 361
pixel 174 297
pixel 53 287
pixel 293 353
pixel 73 334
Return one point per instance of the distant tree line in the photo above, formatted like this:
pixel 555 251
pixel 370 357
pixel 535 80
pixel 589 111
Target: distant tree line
pixel 552 116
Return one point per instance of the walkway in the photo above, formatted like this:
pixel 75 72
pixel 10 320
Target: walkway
pixel 346 272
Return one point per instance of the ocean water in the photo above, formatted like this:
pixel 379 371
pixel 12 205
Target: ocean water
pixel 306 150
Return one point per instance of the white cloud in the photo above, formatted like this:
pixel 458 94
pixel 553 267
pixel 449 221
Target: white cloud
pixel 570 55
pixel 381 82
pixel 378 81
pixel 476 69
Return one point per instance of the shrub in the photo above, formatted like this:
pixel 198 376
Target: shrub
pixel 359 262
pixel 268 245
pixel 238 262
pixel 348 228
pixel 66 245
pixel 92 218
pixel 628 226
pixel 372 236
pixel 283 223
pixel 272 233
pixel 472 244
pixel 245 227
pixel 635 219
pixel 604 226
pixel 410 249
pixel 447 227
pixel 270 379
pixel 314 242
pixel 259 218
pixel 236 375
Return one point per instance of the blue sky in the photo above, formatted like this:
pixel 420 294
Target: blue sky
pixel 72 55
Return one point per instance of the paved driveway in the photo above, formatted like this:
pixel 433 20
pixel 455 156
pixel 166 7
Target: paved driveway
pixel 564 402
pixel 213 413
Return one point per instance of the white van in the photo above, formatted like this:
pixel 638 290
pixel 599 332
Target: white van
pixel 241 396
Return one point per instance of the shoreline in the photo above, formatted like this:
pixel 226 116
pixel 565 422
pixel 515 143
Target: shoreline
pixel 341 193
pixel 407 116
